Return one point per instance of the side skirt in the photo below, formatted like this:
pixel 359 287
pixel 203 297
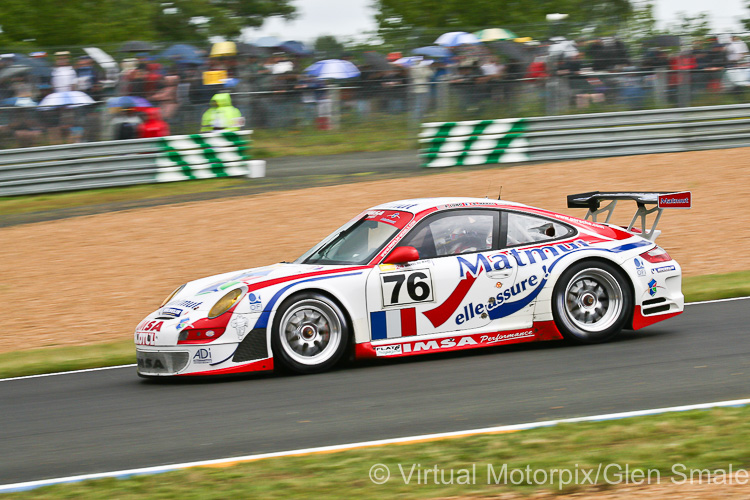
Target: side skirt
pixel 409 346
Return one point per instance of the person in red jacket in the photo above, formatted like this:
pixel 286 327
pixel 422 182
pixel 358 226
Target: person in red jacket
pixel 154 126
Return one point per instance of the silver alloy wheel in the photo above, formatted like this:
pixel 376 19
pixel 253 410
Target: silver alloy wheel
pixel 310 332
pixel 593 300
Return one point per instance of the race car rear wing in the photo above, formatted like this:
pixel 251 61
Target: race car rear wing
pixel 593 201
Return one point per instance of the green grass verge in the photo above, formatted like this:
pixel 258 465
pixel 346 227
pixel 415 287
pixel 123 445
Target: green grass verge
pixel 661 447
pixel 67 358
pixel 57 359
pixel 716 286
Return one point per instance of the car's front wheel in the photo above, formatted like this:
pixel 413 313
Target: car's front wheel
pixel 310 333
pixel 591 302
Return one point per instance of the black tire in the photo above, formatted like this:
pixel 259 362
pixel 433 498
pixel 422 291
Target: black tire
pixel 310 333
pixel 591 302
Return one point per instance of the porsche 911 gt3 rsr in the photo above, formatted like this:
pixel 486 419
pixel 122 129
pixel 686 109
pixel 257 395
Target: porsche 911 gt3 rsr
pixel 424 276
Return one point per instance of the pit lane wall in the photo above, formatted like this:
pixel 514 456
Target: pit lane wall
pixel 554 138
pixel 74 167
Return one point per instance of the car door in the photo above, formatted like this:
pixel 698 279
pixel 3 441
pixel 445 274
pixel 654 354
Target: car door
pixel 452 288
pixel 529 241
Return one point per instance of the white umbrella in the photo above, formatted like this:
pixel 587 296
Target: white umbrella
pixel 562 47
pixel 455 38
pixel 410 61
pixel 104 60
pixel 332 68
pixel 70 99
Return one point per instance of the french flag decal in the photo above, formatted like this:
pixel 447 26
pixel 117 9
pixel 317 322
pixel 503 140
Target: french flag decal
pixel 393 324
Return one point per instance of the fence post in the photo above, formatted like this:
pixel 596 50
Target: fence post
pixel 660 86
pixel 335 107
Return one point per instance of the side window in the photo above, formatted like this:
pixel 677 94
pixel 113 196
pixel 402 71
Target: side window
pixel 524 229
pixel 454 233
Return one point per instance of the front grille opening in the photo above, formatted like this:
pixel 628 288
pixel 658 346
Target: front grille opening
pixel 253 346
pixel 161 363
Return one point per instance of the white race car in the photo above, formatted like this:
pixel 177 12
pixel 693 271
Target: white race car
pixel 424 276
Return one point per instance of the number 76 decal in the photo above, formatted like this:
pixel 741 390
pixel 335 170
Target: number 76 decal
pixel 406 287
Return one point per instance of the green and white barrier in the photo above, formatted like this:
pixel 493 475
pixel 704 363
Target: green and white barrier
pixel 475 142
pixel 206 156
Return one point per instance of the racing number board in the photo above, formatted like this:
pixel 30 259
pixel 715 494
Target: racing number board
pixel 406 287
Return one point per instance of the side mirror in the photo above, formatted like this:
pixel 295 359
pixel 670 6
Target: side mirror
pixel 401 255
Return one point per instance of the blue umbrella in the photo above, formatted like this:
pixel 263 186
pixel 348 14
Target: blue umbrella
pixel 184 53
pixel 434 51
pixel 127 101
pixel 296 48
pixel 332 68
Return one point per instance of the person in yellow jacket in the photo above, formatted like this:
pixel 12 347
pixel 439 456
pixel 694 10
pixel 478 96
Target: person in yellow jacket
pixel 222 115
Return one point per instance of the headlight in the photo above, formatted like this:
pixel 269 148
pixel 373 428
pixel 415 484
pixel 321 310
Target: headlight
pixel 171 296
pixel 225 303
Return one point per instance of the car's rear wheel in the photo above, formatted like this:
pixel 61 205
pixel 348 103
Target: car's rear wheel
pixel 591 302
pixel 310 333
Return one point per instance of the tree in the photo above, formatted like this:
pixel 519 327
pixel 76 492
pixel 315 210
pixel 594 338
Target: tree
pixel 698 25
pixel 527 18
pixel 329 47
pixel 67 23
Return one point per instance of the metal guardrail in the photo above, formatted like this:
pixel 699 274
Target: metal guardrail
pixel 124 163
pixel 584 136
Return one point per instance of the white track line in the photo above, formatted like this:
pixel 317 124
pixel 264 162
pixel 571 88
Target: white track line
pixel 67 373
pixel 6 488
pixel 716 300
pixel 132 365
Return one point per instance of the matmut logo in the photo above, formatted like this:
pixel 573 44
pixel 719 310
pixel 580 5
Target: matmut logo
pixel 675 200
pixel 522 258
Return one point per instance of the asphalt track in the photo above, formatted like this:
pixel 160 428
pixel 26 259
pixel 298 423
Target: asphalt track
pixel 111 420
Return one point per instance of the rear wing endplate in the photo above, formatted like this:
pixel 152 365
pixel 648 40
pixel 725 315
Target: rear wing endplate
pixel 648 203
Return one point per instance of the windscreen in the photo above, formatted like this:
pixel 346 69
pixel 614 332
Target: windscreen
pixel 360 240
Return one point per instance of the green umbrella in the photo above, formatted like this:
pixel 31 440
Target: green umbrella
pixel 492 34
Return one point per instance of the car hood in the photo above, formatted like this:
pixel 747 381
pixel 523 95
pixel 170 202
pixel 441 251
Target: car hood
pixel 203 293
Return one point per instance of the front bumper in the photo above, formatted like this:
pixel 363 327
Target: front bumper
pixel 252 354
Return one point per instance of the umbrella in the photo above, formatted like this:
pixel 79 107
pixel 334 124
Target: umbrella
pixel 136 46
pixel 247 49
pixel 183 53
pixel 221 49
pixel 562 47
pixel 101 58
pixel 332 68
pixel 376 61
pixel 69 99
pixel 21 102
pixel 128 102
pixel 410 61
pixel 268 42
pixel 296 48
pixel 492 34
pixel 516 51
pixel 15 70
pixel 105 61
pixel 663 41
pixel 434 51
pixel 455 38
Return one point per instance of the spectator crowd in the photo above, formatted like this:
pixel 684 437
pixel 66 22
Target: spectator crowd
pixel 64 98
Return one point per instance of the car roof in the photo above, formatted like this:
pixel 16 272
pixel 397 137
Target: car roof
pixel 418 205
